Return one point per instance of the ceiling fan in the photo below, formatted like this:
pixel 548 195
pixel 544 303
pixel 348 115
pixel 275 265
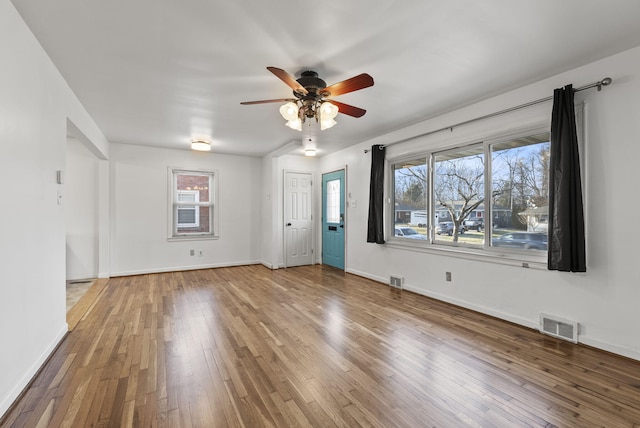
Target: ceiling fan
pixel 312 98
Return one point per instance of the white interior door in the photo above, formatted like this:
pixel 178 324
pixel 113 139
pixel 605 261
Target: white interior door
pixel 298 221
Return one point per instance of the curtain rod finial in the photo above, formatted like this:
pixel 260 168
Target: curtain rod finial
pixel 604 82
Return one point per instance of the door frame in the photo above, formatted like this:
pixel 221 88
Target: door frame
pixel 313 217
pixel 346 209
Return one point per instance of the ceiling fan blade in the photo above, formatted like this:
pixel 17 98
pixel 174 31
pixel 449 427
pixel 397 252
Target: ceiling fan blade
pixel 356 83
pixel 288 79
pixel 279 100
pixel 348 109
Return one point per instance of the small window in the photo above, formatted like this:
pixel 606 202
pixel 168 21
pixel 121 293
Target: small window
pixel 192 204
pixel 410 198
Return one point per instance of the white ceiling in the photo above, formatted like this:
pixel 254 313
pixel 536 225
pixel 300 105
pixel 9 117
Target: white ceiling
pixel 161 72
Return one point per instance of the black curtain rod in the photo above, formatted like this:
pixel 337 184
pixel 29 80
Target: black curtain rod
pixel 599 84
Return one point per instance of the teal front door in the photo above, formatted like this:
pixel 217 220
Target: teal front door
pixel 333 219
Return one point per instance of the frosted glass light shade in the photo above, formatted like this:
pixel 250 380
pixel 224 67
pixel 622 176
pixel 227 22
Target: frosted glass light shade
pixel 295 124
pixel 289 111
pixel 328 111
pixel 326 124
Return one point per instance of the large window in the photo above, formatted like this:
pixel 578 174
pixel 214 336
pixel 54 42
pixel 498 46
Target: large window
pixel 192 204
pixel 489 195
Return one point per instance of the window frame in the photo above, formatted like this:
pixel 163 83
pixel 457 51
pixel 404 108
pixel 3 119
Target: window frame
pixel 390 226
pixel 173 205
pixel 485 251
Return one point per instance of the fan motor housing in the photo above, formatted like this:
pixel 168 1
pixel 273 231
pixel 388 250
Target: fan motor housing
pixel 310 80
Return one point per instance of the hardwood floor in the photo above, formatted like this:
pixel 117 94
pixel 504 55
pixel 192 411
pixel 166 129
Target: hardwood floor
pixel 79 305
pixel 313 346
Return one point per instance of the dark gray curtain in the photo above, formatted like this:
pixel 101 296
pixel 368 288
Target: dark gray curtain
pixel 566 219
pixel 375 231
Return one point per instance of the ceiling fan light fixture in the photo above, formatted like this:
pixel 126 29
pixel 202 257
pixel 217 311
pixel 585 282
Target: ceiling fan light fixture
pixel 326 124
pixel 289 111
pixel 201 145
pixel 310 92
pixel 295 123
pixel 328 111
pixel 309 152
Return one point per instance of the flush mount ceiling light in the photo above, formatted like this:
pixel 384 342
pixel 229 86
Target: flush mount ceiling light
pixel 311 98
pixel 200 145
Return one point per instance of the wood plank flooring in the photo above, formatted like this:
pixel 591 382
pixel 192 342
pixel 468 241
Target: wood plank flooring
pixel 78 306
pixel 313 347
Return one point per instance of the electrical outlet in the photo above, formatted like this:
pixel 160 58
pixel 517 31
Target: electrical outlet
pixel 200 253
pixel 192 252
pixel 448 276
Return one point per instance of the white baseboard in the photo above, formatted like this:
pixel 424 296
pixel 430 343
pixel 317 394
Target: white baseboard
pixel 368 276
pixel 447 299
pixel 13 395
pixel 584 339
pixel 609 347
pixel 484 310
pixel 183 268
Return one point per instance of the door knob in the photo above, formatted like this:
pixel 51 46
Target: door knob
pixel 288 224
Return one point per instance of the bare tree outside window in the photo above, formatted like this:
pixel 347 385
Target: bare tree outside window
pixel 459 184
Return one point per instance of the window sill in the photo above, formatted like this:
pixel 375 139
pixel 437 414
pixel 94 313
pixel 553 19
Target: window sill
pixel 192 238
pixel 493 255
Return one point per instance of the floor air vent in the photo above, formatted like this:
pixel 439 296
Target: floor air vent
pixel 396 281
pixel 558 327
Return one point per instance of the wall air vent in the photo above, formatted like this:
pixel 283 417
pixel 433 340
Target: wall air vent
pixel 558 327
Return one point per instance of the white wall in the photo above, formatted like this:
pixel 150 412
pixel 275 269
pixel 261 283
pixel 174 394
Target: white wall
pixel 139 227
pixel 35 106
pixel 81 211
pixel 605 299
pixel 269 203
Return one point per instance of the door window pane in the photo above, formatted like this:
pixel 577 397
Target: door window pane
pixel 333 201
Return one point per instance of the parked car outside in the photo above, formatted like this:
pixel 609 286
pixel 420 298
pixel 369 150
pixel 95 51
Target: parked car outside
pixel 475 223
pixel 409 232
pixel 446 227
pixel 524 240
